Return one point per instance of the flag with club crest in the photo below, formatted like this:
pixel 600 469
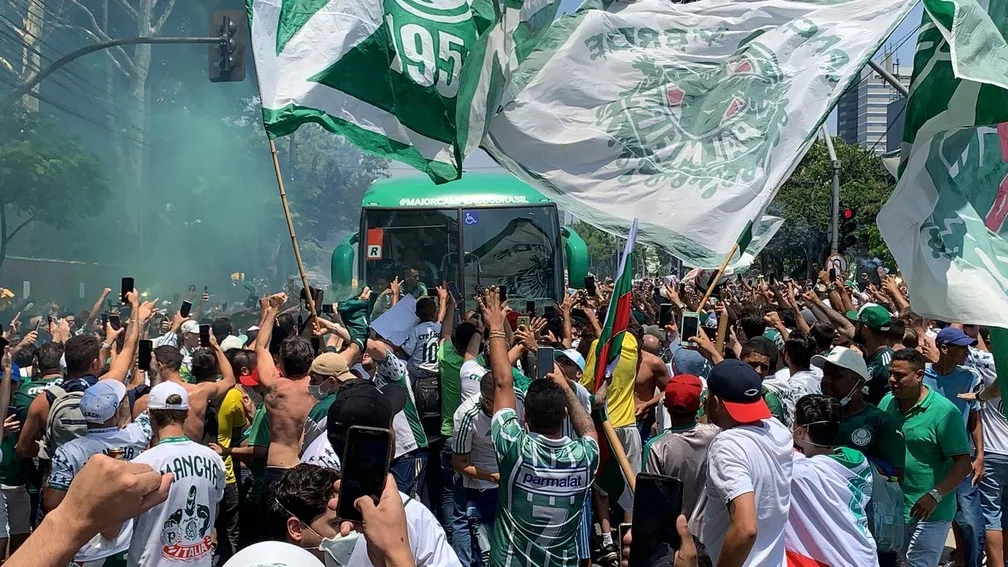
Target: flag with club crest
pixel 387 75
pixel 688 117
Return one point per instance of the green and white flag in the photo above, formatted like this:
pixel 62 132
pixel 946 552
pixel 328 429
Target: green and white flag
pixel 383 74
pixel 686 116
pixel 945 223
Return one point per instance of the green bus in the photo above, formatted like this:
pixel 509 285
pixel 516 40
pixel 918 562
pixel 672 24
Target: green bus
pixel 484 229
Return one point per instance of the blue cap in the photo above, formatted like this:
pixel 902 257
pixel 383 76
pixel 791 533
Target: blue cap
pixel 571 355
pixel 689 361
pixel 739 388
pixel 953 336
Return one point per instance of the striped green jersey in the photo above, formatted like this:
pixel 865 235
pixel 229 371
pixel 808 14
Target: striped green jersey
pixel 409 431
pixel 543 484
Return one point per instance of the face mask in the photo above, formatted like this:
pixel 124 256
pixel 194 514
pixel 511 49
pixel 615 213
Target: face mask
pixel 316 391
pixel 339 549
pixel 846 399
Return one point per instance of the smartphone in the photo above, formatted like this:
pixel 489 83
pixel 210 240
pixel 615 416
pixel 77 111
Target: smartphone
pixel 832 275
pixel 524 322
pixel 665 314
pixel 544 361
pixel 104 321
pixel 530 308
pixel 657 504
pixel 144 356
pixel 114 321
pixel 316 344
pixel 185 309
pixel 37 325
pixel 204 336
pixel 589 285
pixel 549 312
pixel 327 309
pixel 502 293
pixel 3 343
pixel 454 291
pixel 366 458
pixel 432 292
pixel 127 286
pixel 688 326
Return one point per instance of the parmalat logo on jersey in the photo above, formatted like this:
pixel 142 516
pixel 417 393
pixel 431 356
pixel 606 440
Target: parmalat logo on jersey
pixel 555 482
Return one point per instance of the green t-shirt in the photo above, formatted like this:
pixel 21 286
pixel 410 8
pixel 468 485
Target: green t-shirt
pixel 259 436
pixel 934 433
pixel 878 375
pixel 449 364
pixel 774 403
pixel 876 434
pixel 11 466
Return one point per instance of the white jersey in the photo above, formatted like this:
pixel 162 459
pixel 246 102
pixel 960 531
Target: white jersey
pixel 470 375
pixel 421 346
pixel 320 452
pixel 179 530
pixel 583 396
pixel 123 444
pixel 426 538
pixel 995 426
pixel 472 437
pixel 409 432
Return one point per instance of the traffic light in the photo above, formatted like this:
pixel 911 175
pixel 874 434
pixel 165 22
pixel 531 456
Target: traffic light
pixel 227 58
pixel 847 228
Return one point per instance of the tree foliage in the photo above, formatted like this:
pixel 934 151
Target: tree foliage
pixel 46 176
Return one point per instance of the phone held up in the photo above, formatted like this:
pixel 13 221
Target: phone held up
pixel 589 285
pixel 689 326
pixel 114 321
pixel 128 285
pixel 144 355
pixel 544 361
pixel 204 336
pixel 657 504
pixel 185 309
pixel 364 472
pixel 665 314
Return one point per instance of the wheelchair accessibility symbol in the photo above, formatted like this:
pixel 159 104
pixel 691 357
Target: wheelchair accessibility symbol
pixel 471 217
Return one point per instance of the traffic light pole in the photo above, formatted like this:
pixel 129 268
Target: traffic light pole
pixel 41 75
pixel 835 216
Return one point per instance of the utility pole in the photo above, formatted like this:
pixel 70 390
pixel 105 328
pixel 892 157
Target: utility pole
pixel 889 78
pixel 835 208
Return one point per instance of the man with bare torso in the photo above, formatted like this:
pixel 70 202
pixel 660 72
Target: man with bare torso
pixel 287 398
pixel 167 365
pixel 649 386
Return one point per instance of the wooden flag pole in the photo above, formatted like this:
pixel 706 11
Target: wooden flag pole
pixel 720 272
pixel 290 230
pixel 616 447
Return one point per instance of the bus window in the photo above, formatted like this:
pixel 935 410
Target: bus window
pixel 516 247
pixel 422 240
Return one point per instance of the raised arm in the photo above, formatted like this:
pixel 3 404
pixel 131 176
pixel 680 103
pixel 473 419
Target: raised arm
pixel 568 328
pixel 97 306
pixel 580 420
pixel 448 314
pixel 140 314
pixel 227 381
pixel 493 316
pixel 835 318
pixel 268 373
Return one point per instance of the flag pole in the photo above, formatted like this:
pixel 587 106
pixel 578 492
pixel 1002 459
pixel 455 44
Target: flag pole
pixel 290 230
pixel 720 272
pixel 616 446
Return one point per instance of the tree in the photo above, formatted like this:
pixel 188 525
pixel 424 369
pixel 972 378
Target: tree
pixel 45 176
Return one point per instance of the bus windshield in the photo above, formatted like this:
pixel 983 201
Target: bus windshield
pixel 398 240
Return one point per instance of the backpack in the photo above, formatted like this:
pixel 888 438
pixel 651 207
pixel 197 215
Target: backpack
pixel 885 509
pixel 427 397
pixel 65 422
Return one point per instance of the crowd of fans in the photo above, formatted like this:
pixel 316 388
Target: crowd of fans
pixel 813 421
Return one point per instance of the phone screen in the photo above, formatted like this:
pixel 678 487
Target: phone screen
pixel 665 314
pixel 114 322
pixel 127 286
pixel 327 308
pixel 832 275
pixel 524 321
pixel 530 308
pixel 144 356
pixel 689 326
pixel 657 504
pixel 589 284
pixel 366 459
pixel 544 361
pixel 186 308
pixel 104 321
pixel 502 293
pixel 204 335
pixel 549 312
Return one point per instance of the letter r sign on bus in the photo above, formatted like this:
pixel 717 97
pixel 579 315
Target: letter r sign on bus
pixel 375 236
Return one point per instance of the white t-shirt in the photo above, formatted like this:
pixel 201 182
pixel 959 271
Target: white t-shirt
pixel 409 433
pixel 123 444
pixel 321 453
pixel 179 530
pixel 422 343
pixel 757 459
pixel 995 426
pixel 470 375
pixel 426 537
pixel 472 437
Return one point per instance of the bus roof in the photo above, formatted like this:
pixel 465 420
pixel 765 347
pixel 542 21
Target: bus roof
pixel 474 189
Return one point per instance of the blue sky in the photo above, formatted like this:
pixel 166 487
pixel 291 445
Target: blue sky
pixel 480 161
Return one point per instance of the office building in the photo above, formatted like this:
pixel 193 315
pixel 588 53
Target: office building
pixel 862 112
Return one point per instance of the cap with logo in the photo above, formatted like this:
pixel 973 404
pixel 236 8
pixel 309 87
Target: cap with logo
pixel 738 387
pixel 190 326
pixel 571 355
pixel 875 317
pixel 100 402
pixel 331 364
pixel 844 358
pixel 682 395
pixel 168 396
pixel 955 337
pixel 360 402
pixel 251 379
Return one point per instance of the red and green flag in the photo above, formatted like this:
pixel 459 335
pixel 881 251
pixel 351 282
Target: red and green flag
pixel 607 351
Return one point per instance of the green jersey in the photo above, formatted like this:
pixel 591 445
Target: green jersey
pixel 876 434
pixel 11 467
pixel 543 484
pixel 259 436
pixel 877 385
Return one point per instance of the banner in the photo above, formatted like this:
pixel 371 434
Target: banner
pixel 686 116
pixel 945 222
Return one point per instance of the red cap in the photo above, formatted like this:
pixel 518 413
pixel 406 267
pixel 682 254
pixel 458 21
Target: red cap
pixel 250 380
pixel 682 395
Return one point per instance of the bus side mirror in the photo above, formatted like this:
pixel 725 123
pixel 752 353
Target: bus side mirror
pixel 342 263
pixel 576 252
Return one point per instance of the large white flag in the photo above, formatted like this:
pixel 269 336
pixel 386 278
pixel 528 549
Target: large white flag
pixel 687 116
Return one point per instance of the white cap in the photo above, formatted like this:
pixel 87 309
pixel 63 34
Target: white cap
pixel 168 396
pixel 190 326
pixel 273 554
pixel 844 358
pixel 101 401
